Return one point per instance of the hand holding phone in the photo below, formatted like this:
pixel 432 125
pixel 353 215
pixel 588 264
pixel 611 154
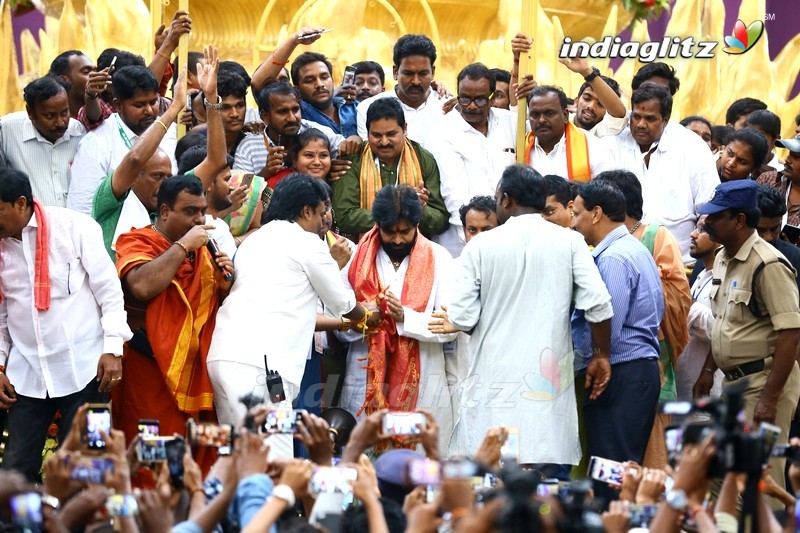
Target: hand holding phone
pixel 403 423
pixel 98 422
pixel 327 479
pixel 606 470
pixel 282 421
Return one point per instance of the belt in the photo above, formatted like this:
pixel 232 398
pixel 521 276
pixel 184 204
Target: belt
pixel 738 372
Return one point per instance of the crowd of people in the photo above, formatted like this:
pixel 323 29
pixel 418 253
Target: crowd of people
pixel 350 310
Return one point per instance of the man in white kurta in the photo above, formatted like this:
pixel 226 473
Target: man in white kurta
pixel 514 287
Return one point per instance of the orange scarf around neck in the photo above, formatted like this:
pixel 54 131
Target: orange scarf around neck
pixel 578 168
pixel 41 268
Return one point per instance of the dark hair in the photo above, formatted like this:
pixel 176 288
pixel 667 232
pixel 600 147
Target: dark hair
pixel 605 194
pixel 413 45
pixel 194 155
pixel 281 88
pixel 765 120
pixel 651 91
pixel 235 68
pixel 558 187
pixel 130 80
pixel 481 204
pixel 311 134
pixel 368 67
pixel 501 75
pixel 741 107
pixel 13 184
pixel 293 193
pixel 630 187
pixel 354 519
pixel 43 89
pixel 695 118
pixel 660 70
pixel 306 58
pixel 751 216
pixel 60 65
pixel 386 108
pixel 475 72
pixel 231 84
pixel 611 82
pixel 174 185
pixel 187 141
pixel 544 90
pixel 393 203
pixel 526 186
pixel 721 134
pixel 124 59
pixel 771 202
pixel 191 65
pixel 757 142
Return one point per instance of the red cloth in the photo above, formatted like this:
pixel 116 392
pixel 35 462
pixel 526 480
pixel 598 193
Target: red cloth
pixel 41 268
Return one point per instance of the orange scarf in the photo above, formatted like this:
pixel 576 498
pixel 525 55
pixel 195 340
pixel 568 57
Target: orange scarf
pixel 41 268
pixel 578 167
pixel 393 362
pixel 408 173
pixel 180 320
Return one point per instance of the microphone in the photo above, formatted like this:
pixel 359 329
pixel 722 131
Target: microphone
pixel 212 247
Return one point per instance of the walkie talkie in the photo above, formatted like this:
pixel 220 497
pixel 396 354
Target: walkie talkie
pixel 274 384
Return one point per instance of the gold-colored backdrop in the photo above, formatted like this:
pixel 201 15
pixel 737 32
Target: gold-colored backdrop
pixel 463 30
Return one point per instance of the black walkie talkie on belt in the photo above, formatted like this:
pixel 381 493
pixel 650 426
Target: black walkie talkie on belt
pixel 274 384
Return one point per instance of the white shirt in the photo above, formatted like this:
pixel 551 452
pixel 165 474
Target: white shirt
pixel 555 162
pixel 55 352
pixel 100 153
pixel 46 164
pixel 281 271
pixel 470 164
pixel 610 125
pixel 681 177
pixel 520 352
pixel 222 235
pixel 420 121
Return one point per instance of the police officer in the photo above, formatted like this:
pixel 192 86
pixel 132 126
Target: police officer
pixel 754 299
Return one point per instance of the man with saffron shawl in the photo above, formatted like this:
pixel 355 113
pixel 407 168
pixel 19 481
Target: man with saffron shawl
pixel 388 158
pixel 172 290
pixel 400 367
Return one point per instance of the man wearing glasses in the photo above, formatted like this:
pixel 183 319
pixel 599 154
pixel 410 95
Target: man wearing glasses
pixel 472 148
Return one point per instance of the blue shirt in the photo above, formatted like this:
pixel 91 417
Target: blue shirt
pixel 347 116
pixel 632 279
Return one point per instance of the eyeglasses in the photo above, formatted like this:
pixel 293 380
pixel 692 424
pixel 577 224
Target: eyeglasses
pixel 481 101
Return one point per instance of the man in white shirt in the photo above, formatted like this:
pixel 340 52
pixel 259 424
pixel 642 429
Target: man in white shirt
pixel 555 145
pixel 676 169
pixel 521 372
pixel 472 147
pixel 283 269
pixel 598 106
pixel 62 319
pixel 136 102
pixel 42 140
pixel 414 57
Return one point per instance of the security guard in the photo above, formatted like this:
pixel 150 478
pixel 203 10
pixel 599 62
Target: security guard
pixel 754 299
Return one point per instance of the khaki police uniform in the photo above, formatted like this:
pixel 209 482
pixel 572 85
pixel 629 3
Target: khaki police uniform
pixel 739 337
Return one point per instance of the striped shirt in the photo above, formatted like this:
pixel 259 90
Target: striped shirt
pixel 46 164
pixel 632 278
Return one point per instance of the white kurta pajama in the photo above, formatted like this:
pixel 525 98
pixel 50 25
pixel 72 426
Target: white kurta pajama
pixel 434 394
pixel 515 285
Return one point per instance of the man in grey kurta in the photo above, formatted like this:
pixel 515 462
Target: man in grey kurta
pixel 514 288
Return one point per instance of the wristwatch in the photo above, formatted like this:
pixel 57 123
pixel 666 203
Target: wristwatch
pixel 285 493
pixel 593 75
pixel 677 500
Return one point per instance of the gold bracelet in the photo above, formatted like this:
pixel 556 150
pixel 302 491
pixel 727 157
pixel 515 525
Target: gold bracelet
pixel 346 324
pixel 185 249
pixel 162 125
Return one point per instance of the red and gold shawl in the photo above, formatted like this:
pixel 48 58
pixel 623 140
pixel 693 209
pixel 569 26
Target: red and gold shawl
pixel 577 152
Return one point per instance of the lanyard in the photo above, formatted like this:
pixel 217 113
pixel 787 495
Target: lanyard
pixel 697 293
pixel 122 134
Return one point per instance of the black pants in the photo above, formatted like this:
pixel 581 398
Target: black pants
pixel 619 422
pixel 28 420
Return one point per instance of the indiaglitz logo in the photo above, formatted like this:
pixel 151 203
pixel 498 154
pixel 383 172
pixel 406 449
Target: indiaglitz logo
pixel 743 39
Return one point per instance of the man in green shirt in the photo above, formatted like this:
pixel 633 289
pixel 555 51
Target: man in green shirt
pixel 388 157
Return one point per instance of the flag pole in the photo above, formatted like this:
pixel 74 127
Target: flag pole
pixel 527 65
pixel 183 59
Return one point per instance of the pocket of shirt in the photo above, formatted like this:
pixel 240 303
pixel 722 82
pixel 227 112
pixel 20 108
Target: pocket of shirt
pixel 65 278
pixel 738 300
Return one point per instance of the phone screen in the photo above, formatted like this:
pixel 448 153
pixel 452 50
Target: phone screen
pixel 642 515
pixel 424 472
pixel 282 421
pixel 26 512
pixel 98 418
pixel 152 449
pixel 175 450
pixel 91 470
pixel 510 449
pixel 212 435
pixel 606 470
pixel 122 505
pixel 459 469
pixel 403 423
pixel 349 75
pixel 149 428
pixel 674 438
pixel 332 479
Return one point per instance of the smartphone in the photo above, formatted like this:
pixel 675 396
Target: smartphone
pixel 461 468
pixel 315 34
pixel 769 433
pixel 641 515
pixel 606 470
pixel 425 472
pixel 91 470
pixel 111 67
pixel 149 428
pixel 282 420
pixel 122 505
pixel 510 449
pixel 674 438
pixel 403 423
pixel 174 450
pixel 676 408
pixel 327 479
pixel 247 179
pixel 153 449
pixel 213 435
pixel 98 418
pixel 349 75
pixel 26 512
pixel 792 232
pixel 548 487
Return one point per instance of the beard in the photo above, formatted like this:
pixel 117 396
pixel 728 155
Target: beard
pixel 398 253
